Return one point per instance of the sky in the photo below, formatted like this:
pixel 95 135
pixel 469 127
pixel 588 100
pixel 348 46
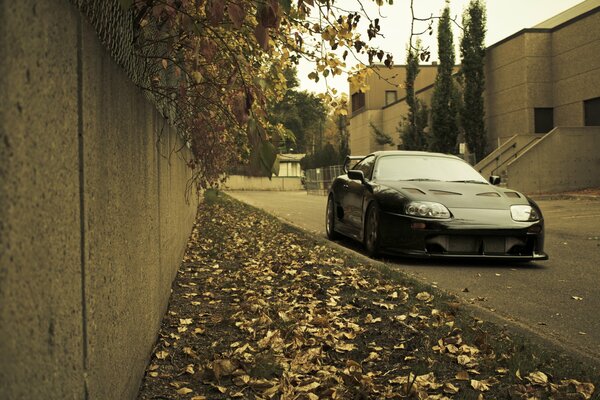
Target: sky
pixel 504 17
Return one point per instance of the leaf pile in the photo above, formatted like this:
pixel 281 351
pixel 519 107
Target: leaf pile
pixel 260 311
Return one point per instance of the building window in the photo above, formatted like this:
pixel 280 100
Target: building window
pixel 391 96
pixel 358 101
pixel 544 119
pixel 591 111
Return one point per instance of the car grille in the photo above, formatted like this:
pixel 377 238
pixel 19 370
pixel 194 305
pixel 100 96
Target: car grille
pixel 480 245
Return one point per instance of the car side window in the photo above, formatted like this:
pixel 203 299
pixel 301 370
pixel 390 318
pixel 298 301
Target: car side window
pixel 366 166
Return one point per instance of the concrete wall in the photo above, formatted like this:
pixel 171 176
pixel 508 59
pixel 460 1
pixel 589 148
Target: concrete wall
pixel 557 67
pixel 239 182
pixel 565 159
pixel 575 68
pixel 93 221
pixel 361 135
pixel 506 90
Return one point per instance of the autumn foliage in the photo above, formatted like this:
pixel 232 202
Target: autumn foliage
pixel 216 66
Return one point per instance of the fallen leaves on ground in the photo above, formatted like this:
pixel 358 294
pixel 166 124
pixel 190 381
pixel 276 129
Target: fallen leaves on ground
pixel 260 311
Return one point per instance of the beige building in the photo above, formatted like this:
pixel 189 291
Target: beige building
pixel 382 106
pixel 539 82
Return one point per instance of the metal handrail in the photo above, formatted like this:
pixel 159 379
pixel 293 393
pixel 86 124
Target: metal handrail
pixel 514 156
pixel 498 157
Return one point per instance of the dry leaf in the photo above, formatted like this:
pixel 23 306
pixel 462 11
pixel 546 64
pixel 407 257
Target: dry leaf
pixel 190 369
pixel 424 296
pixel 309 387
pixel 462 376
pixel 223 368
pixel 450 388
pixel 184 390
pixel 463 359
pixel 538 378
pixel 370 320
pixel 479 385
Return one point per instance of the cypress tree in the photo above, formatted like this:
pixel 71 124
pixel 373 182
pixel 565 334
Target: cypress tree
pixel 412 131
pixel 444 129
pixel 472 50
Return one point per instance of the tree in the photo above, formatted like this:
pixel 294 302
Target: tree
pixel 412 130
pixel 472 50
pixel 323 157
pixel 444 129
pixel 302 116
pixel 381 138
pixel 216 67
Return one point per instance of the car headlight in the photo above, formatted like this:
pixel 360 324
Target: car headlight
pixel 524 213
pixel 427 209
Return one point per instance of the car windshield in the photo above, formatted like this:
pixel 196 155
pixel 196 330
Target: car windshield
pixel 425 168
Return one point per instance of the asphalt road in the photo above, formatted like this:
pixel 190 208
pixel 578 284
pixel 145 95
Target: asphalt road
pixel 558 299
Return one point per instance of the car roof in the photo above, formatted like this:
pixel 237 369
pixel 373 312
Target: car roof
pixel 412 153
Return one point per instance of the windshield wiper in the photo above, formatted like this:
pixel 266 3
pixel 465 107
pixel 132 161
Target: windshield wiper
pixel 471 181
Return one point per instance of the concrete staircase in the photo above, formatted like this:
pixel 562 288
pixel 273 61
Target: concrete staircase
pixel 497 161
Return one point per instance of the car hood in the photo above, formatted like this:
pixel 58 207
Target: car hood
pixel 455 194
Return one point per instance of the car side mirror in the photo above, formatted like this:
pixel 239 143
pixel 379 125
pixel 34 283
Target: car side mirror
pixel 495 180
pixel 356 175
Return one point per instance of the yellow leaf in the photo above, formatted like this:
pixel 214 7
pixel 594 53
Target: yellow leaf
pixel 199 398
pixel 271 391
pixel 479 385
pixel 370 320
pixel 463 359
pixel 424 296
pixel 220 388
pixel 309 387
pixel 184 390
pixel 341 347
pixel 450 388
pixel 538 378
pixel 190 369
pixel 185 321
pixel 161 355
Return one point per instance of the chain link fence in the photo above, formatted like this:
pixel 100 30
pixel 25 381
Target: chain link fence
pixel 319 180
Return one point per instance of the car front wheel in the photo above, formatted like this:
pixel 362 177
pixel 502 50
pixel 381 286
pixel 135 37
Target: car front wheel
pixel 372 237
pixel 330 219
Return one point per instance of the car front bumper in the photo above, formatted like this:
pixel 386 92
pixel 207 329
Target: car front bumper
pixel 489 235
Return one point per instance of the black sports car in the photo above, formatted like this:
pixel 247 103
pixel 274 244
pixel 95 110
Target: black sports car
pixel 432 205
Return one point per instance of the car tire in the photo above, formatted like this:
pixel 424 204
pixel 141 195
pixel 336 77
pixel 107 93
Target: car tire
pixel 372 237
pixel 330 219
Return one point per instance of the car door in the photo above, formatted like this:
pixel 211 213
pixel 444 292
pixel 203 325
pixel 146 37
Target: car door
pixel 355 193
